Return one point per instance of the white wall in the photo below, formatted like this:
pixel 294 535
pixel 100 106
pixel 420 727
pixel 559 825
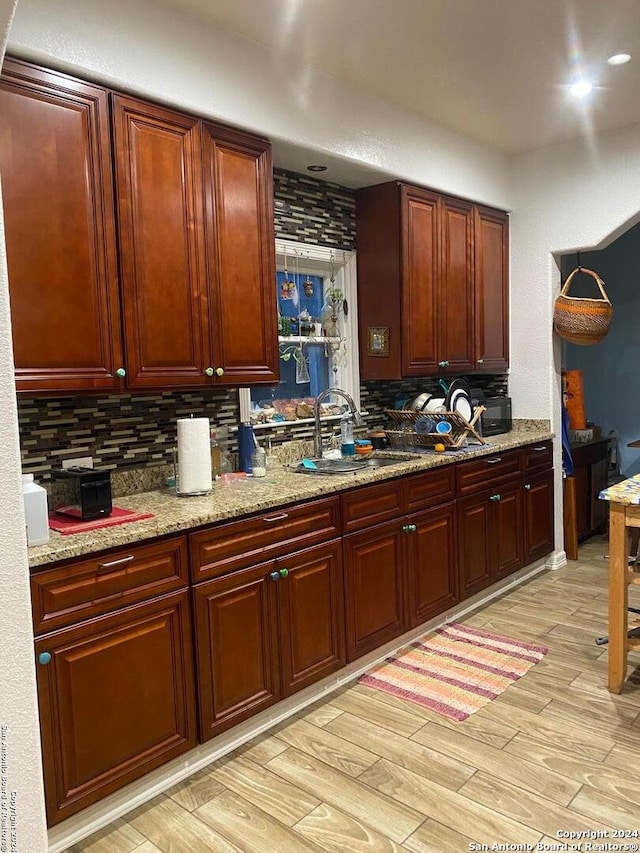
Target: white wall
pixel 571 196
pixel 150 48
pixel 19 732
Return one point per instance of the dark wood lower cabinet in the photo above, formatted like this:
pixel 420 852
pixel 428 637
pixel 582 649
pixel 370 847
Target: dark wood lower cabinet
pixel 432 563
pixel 265 632
pixel 311 611
pixel 375 587
pixel 491 536
pixel 117 699
pixel 538 516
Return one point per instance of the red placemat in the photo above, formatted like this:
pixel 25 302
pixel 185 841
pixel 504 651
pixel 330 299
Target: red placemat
pixel 66 525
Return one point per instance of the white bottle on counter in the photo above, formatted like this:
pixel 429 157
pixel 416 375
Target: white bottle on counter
pixel 36 511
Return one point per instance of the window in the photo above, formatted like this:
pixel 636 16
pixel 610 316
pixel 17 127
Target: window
pixel 317 336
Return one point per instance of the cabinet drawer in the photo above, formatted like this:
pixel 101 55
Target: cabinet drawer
pixel 537 457
pixel 79 590
pixel 430 488
pixel 481 473
pixel 371 505
pixel 239 544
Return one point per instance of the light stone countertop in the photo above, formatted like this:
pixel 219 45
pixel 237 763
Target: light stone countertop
pixel 280 487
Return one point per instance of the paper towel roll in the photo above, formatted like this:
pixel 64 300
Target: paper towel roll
pixel 194 456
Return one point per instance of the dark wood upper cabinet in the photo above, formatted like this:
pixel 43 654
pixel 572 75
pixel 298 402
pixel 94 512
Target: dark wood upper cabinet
pixel 240 256
pixel 492 290
pixel 432 279
pixel 456 287
pixel 55 163
pixel 420 287
pixel 159 196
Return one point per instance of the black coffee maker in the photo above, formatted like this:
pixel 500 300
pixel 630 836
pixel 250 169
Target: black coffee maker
pixel 92 492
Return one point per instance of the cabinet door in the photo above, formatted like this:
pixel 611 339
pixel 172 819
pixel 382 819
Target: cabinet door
pixel 492 290
pixel 311 615
pixel 456 286
pixel 241 256
pixel 475 548
pixel 538 516
pixel 433 565
pixel 419 282
pixel 116 699
pixel 598 508
pixel 373 562
pixel 159 193
pixel 237 647
pixel 60 231
pixel 507 534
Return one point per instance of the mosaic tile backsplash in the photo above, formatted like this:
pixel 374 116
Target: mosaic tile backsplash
pixel 132 431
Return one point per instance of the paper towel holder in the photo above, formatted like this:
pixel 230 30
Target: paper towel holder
pixel 179 494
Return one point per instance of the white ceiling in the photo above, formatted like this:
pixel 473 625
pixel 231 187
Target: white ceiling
pixel 496 71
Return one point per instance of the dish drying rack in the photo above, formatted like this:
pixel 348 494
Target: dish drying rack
pixel 405 435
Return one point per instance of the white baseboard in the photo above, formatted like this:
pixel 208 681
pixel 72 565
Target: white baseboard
pixel 97 816
pixel 556 561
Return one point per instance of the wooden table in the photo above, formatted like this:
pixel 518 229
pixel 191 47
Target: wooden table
pixel 624 512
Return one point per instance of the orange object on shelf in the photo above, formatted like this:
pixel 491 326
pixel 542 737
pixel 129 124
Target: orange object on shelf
pixel 574 399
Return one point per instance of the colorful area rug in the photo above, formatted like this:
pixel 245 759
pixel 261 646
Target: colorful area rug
pixel 456 670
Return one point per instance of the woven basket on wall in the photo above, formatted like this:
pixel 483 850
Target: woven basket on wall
pixel 582 321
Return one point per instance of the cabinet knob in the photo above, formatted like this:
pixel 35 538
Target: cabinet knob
pixel 527 485
pixel 443 364
pixel 209 371
pixel 121 372
pixel 480 361
pixel 219 371
pixel 284 573
pixel 44 658
pixel 494 498
pixel 409 528
pixel 274 576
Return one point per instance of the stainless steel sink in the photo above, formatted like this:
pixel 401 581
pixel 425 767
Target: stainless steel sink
pixel 347 466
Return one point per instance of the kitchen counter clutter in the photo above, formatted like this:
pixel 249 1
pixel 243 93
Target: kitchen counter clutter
pixel 279 488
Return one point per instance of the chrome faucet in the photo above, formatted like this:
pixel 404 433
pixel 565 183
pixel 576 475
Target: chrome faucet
pixel 358 420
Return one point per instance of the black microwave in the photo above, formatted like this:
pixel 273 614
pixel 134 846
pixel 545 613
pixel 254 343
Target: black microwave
pixel 496 418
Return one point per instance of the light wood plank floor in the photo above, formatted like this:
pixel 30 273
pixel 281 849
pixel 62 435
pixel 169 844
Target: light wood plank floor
pixel 365 772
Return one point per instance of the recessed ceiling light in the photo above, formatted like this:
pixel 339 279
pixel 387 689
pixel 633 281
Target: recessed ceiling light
pixel 619 59
pixel 316 168
pixel 580 88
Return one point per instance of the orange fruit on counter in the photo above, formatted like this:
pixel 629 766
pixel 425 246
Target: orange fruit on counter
pixel 439 448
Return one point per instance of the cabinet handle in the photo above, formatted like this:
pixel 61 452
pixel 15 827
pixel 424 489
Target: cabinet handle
pixel 442 364
pixel 209 371
pixel 527 486
pixel 284 573
pixel 494 498
pixel 44 658
pixel 409 528
pixel 539 449
pixel 219 371
pixel 494 461
pixel 269 519
pixel 116 562
pixel 274 576
pixel 121 372
pixel 480 361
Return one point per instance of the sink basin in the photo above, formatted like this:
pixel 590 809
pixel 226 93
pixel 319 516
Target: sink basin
pixel 347 466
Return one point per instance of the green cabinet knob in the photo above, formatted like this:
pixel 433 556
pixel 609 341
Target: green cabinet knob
pixel 284 573
pixel 442 364
pixel 494 498
pixel 219 371
pixel 121 372
pixel 209 371
pixel 274 576
pixel 44 658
